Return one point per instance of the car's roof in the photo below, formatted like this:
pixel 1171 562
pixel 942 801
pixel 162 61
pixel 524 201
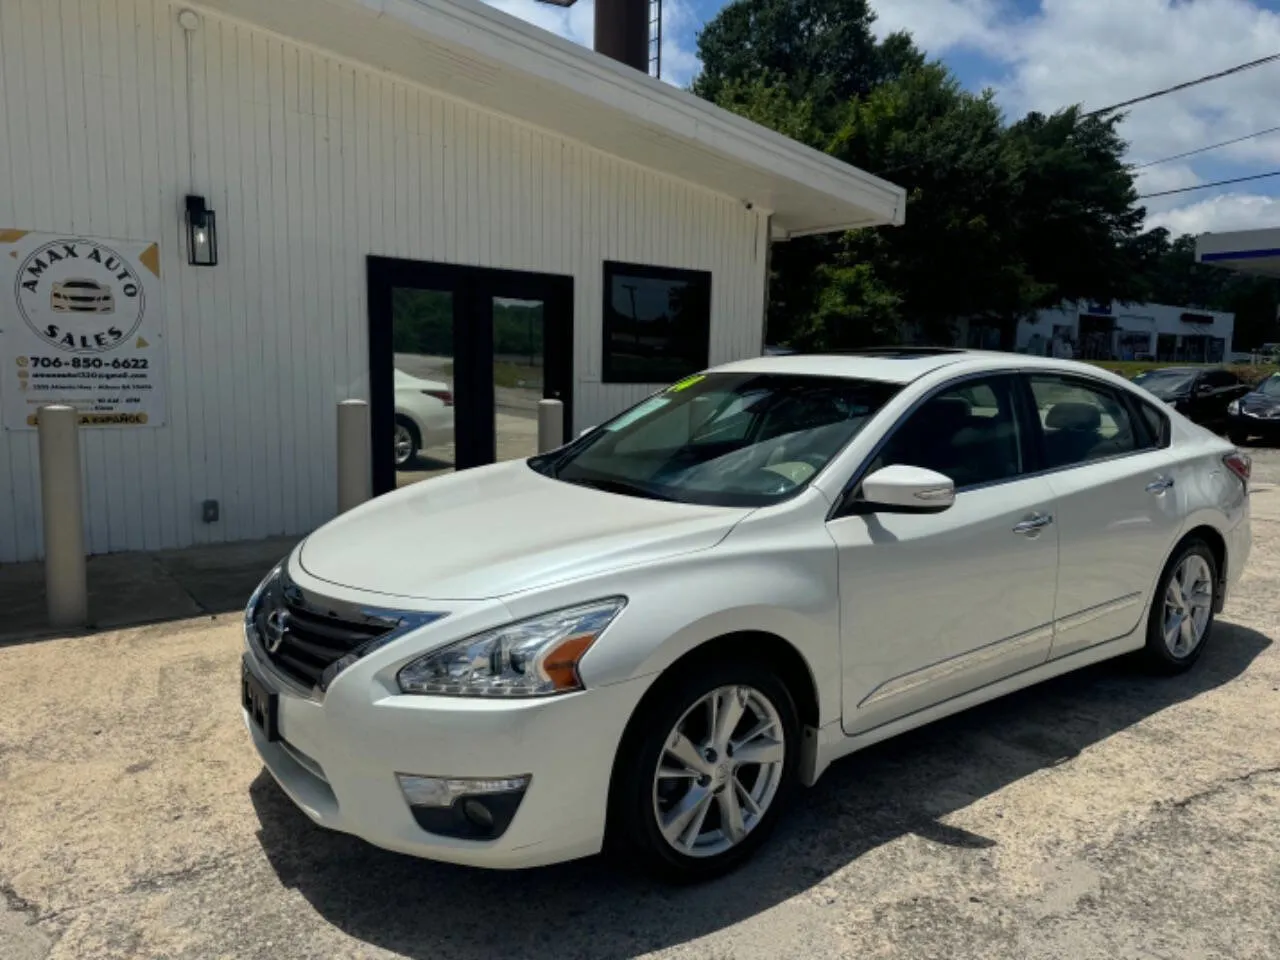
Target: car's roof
pixel 904 365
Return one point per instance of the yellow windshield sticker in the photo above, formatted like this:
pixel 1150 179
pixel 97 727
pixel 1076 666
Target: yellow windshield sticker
pixel 686 383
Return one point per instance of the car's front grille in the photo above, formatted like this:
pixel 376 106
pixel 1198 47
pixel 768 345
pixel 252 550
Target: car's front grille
pixel 301 638
pixel 312 641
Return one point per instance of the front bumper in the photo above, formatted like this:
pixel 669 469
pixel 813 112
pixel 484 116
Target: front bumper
pixel 337 759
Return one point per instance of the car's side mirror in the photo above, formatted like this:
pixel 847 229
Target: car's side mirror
pixel 903 489
pixel 1204 388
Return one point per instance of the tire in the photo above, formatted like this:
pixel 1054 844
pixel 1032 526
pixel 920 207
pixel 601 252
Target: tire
pixel 638 796
pixel 407 442
pixel 1192 563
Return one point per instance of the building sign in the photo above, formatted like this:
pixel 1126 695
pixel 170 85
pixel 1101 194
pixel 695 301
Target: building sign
pixel 80 324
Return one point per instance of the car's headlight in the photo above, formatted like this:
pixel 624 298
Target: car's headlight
pixel 530 658
pixel 251 608
pixel 1233 408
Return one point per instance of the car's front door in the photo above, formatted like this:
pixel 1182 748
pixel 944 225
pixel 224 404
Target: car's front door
pixel 1118 513
pixel 1210 395
pixel 936 605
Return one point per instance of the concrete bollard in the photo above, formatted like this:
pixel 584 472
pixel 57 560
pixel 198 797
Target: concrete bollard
pixel 354 455
pixel 550 425
pixel 65 578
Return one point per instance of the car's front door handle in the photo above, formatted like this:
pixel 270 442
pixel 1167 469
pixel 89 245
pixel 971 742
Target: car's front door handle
pixel 1033 525
pixel 1160 485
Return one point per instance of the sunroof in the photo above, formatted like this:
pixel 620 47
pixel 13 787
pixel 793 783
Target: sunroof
pixel 902 353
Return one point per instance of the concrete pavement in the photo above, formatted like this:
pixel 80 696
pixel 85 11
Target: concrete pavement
pixel 1104 814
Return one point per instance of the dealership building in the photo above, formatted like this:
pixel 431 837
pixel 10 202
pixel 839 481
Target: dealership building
pixel 219 219
pixel 1129 331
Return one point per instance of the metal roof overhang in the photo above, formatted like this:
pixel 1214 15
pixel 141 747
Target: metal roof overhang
pixel 472 52
pixel 1246 251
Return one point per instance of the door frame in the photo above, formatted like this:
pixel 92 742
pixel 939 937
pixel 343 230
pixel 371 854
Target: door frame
pixel 472 290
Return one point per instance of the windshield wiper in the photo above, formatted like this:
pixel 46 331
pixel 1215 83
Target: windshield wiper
pixel 625 487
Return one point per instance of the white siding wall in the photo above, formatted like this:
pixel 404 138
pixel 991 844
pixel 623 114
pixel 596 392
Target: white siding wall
pixel 311 163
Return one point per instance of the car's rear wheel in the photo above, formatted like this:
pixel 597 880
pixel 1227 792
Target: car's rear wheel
pixel 704 771
pixel 1181 616
pixel 406 441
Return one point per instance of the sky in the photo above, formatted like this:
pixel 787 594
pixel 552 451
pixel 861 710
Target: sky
pixel 1046 54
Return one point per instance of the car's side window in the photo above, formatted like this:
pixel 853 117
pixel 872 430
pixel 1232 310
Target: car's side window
pixel 1081 421
pixel 968 433
pixel 1158 428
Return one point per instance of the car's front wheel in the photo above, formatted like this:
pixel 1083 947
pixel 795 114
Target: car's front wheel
pixel 1182 611
pixel 704 770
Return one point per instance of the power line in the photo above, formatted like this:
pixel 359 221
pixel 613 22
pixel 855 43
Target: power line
pixel 1206 186
pixel 1212 146
pixel 1183 86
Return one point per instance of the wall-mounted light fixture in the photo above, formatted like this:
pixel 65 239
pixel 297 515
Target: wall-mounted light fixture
pixel 202 233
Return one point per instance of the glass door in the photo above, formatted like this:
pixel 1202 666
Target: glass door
pixel 458 359
pixel 423 363
pixel 518 381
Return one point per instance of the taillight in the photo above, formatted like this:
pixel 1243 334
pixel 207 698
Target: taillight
pixel 1241 464
pixel 444 396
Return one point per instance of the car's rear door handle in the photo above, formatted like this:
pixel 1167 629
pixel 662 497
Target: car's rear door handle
pixel 1033 525
pixel 1160 485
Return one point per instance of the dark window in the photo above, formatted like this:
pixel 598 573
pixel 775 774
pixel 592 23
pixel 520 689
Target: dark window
pixel 1220 378
pixel 1082 421
pixel 1157 425
pixel 968 433
pixel 657 323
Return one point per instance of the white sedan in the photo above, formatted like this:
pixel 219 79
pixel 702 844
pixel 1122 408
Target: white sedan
pixel 424 416
pixel 647 638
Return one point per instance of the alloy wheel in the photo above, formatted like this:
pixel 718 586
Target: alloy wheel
pixel 404 444
pixel 1188 603
pixel 719 771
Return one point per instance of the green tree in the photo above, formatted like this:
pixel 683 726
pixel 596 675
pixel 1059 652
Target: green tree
pixel 1001 220
pixel 821 50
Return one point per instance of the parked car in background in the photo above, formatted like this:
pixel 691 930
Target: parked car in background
pixel 649 637
pixel 1256 414
pixel 1201 394
pixel 424 416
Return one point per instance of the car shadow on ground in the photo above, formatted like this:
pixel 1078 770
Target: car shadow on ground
pixel 596 909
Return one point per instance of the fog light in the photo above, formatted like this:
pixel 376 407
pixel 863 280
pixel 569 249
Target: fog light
pixel 478 814
pixel 475 809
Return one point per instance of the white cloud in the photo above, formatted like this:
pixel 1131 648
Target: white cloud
pixel 577 23
pixel 940 25
pixel 1227 211
pixel 1098 53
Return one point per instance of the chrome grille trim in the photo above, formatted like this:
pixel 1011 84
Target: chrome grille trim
pixel 318 634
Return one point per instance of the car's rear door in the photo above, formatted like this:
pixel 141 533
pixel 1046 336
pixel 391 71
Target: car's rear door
pixel 1116 511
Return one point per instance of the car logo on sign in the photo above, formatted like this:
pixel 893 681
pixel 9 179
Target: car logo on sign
pixel 276 626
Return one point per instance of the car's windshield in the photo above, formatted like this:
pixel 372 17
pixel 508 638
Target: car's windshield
pixel 1270 386
pixel 1166 383
pixel 723 439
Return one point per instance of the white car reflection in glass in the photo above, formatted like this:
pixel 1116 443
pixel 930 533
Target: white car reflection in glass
pixel 424 416
pixel 648 638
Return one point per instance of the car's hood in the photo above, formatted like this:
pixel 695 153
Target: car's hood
pixel 1260 404
pixel 499 530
